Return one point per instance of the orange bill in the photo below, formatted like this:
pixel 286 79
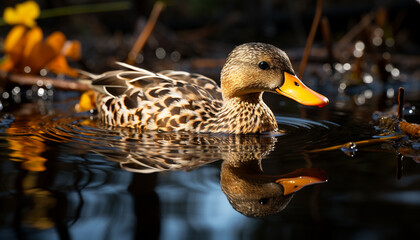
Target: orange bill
pixel 300 178
pixel 291 185
pixel 294 88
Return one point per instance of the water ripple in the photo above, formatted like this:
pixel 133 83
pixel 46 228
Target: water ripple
pixel 157 151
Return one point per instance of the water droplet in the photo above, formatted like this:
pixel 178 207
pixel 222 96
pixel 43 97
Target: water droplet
pixel 175 56
pixel 359 46
pixel 368 94
pixel 15 90
pixel 39 83
pixel 377 41
pixel 346 66
pixel 367 78
pixel 357 53
pixel 40 92
pixel 360 99
pixel 139 58
pixel 342 87
pixel 386 55
pixel 327 68
pixel 395 72
pixel 27 69
pixel 389 42
pixel 378 32
pixel 339 67
pixel 48 85
pixel 160 53
pixel 5 95
pixel 43 72
pixel 350 149
pixel 29 93
pixel 390 92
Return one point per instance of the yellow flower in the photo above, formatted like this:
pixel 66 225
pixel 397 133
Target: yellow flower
pixel 25 13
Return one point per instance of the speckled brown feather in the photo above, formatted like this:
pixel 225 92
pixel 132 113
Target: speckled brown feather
pixel 166 101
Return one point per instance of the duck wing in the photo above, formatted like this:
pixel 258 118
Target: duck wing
pixel 190 85
pixel 206 86
pixel 168 100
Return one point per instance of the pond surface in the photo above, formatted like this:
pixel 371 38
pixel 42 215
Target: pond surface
pixel 65 175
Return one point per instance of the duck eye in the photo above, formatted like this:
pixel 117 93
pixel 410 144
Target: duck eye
pixel 263 65
pixel 263 201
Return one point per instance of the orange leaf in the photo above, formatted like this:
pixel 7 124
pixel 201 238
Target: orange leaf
pixel 13 38
pixel 72 50
pixel 14 42
pixel 7 64
pixel 40 55
pixel 87 101
pixel 56 41
pixel 33 37
pixel 59 65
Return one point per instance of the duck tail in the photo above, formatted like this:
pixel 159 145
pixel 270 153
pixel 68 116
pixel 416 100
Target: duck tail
pixel 86 77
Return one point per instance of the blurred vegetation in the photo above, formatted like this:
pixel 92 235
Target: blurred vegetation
pixel 360 47
pixel 107 29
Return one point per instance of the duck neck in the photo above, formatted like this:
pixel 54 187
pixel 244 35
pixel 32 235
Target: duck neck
pixel 245 114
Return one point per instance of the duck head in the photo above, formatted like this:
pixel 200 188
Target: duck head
pixel 253 68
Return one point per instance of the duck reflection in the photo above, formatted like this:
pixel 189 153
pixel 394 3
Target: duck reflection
pixel 255 194
pixel 249 190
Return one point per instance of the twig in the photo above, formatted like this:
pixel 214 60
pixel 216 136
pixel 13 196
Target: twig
pixel 359 143
pixel 145 34
pixel 350 35
pixel 411 129
pixel 30 80
pixel 326 35
pixel 309 41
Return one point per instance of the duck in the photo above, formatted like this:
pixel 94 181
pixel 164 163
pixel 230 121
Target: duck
pixel 179 101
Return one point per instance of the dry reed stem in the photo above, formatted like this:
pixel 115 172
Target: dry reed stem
pixel 145 34
pixel 309 41
pixel 401 100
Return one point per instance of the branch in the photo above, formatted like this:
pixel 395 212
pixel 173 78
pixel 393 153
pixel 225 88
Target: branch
pixel 30 80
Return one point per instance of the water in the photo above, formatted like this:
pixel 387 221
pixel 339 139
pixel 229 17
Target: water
pixel 64 175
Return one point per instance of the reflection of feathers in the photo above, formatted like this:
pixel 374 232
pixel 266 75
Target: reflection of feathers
pixel 157 152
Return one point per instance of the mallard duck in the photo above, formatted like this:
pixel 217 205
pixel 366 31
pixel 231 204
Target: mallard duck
pixel 181 101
